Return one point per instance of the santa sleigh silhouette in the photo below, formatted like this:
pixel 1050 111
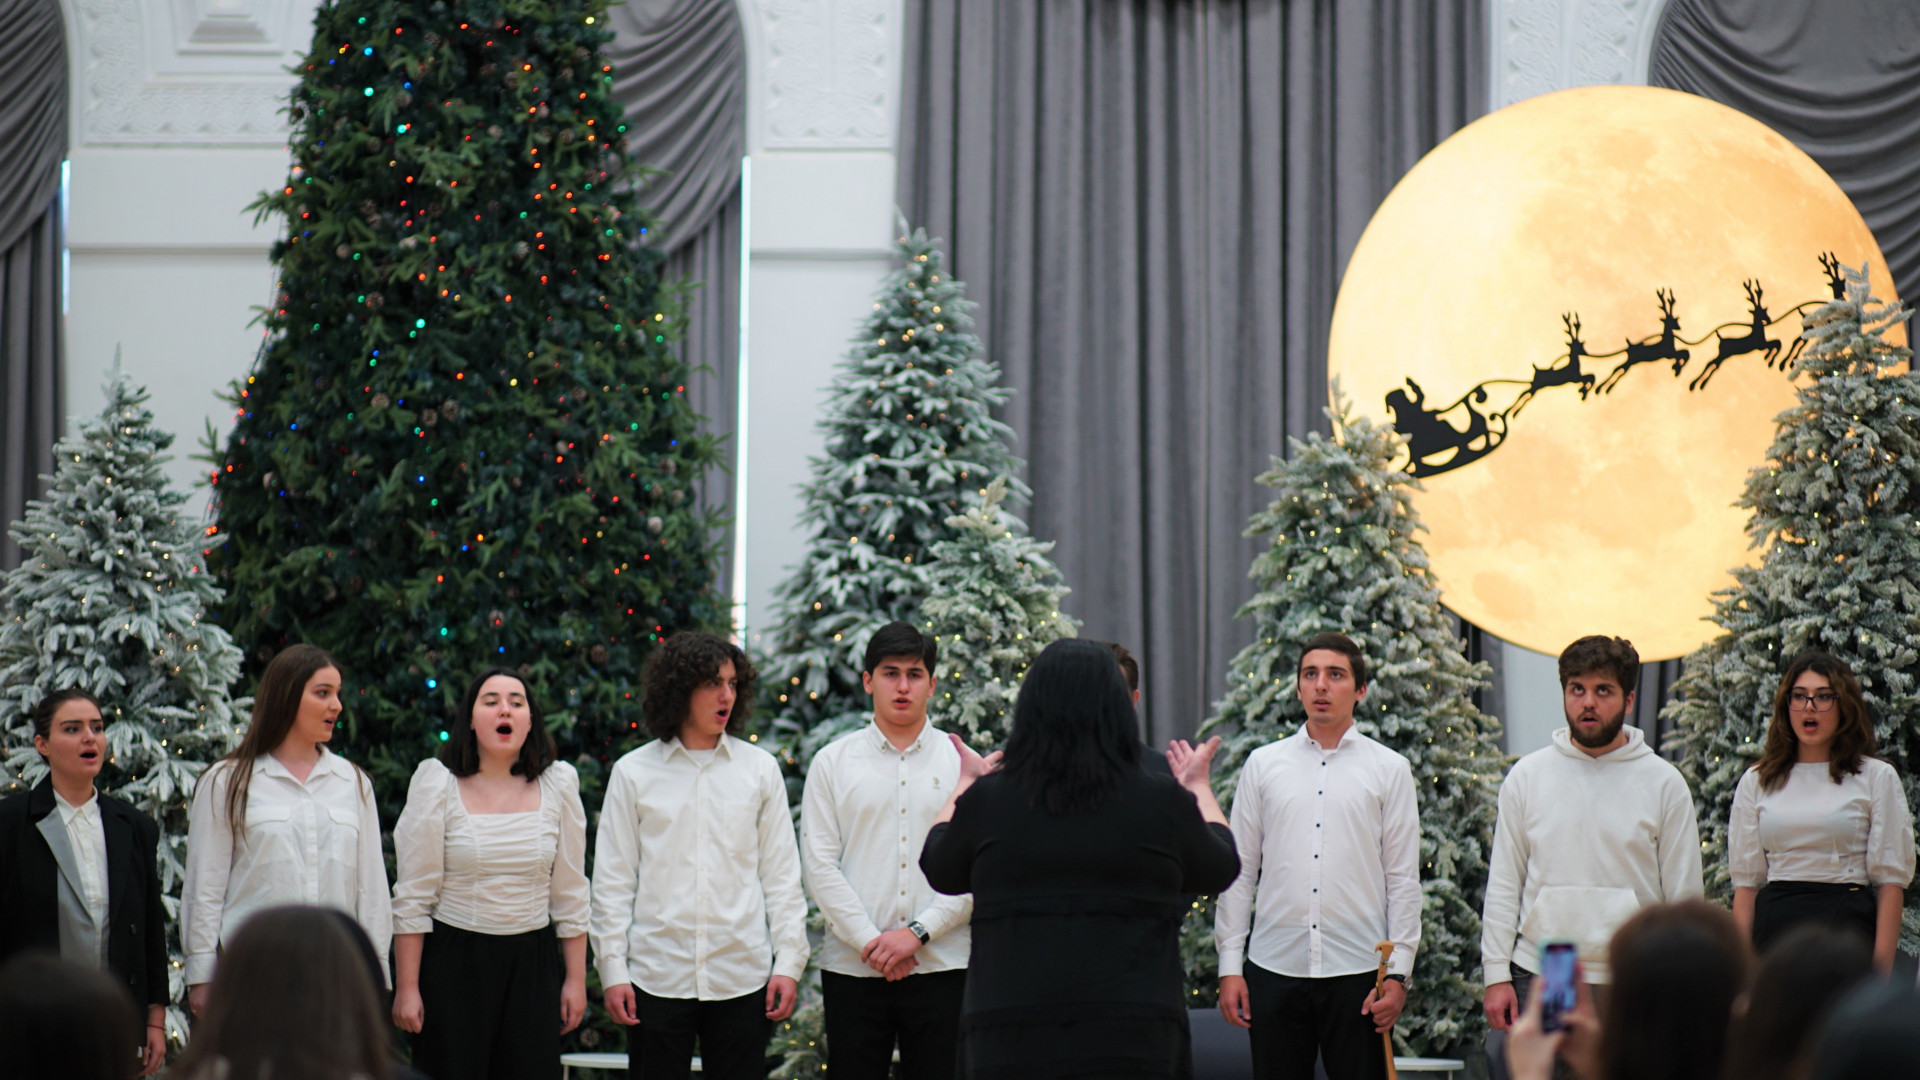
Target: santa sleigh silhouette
pixel 1436 445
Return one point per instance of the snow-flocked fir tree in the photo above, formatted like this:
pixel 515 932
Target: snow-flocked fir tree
pixel 112 595
pixel 994 604
pixel 467 439
pixel 1837 507
pixel 1345 558
pixel 909 436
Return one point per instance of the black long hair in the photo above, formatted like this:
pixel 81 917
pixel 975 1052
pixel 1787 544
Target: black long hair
pixel 461 754
pixel 1074 733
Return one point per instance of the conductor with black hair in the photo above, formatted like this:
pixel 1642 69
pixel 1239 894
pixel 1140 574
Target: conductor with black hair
pixel 1078 861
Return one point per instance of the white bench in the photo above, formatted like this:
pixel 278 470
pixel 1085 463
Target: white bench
pixel 1446 1066
pixel 610 1062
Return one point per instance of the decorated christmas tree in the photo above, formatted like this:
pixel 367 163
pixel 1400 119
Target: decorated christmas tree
pixel 909 437
pixel 111 595
pixel 466 440
pixel 994 603
pixel 1345 558
pixel 1837 508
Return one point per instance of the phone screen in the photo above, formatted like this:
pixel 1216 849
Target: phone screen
pixel 1558 995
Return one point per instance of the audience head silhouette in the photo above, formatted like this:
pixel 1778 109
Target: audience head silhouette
pixel 293 999
pixel 66 1020
pixel 1677 971
pixel 1801 977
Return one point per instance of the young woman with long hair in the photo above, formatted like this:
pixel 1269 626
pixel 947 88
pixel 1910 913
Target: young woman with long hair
pixel 1079 862
pixel 491 891
pixel 1820 830
pixel 282 820
pixel 292 1001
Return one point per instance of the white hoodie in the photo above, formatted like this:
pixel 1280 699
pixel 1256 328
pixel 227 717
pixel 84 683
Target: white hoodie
pixel 1582 844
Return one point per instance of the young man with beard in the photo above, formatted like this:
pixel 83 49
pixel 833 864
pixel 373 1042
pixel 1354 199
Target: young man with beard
pixel 893 966
pixel 1328 829
pixel 1591 829
pixel 698 924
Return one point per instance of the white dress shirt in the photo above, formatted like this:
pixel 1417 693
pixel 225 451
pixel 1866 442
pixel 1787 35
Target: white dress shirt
pixel 1856 832
pixel 315 843
pixel 864 817
pixel 1329 846
pixel 491 873
pixel 87 835
pixel 696 874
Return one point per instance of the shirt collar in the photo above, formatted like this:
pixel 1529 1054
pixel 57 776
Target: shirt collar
pixel 329 762
pixel 675 746
pixel 881 742
pixel 1353 735
pixel 68 811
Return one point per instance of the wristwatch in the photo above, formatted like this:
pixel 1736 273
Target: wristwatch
pixel 1401 979
pixel 919 931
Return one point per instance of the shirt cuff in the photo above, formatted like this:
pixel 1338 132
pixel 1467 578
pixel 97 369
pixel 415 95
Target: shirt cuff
pixel 1232 962
pixel 416 924
pixel 1402 963
pixel 565 930
pixel 935 920
pixel 613 971
pixel 791 967
pixel 200 968
pixel 1497 971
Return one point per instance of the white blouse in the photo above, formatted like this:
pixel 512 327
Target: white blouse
pixel 1857 832
pixel 491 873
pixel 316 843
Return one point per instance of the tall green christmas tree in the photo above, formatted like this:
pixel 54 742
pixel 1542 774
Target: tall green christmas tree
pixel 466 440
pixel 1345 558
pixel 994 604
pixel 1837 507
pixel 111 595
pixel 909 436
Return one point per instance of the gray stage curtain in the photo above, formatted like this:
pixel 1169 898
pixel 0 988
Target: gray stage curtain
pixel 680 70
pixel 1841 78
pixel 1153 201
pixel 33 141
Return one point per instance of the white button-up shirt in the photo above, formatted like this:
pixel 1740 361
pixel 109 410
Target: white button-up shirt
pixel 87 835
pixel 1329 860
pixel 696 874
pixel 315 843
pixel 490 873
pixel 864 817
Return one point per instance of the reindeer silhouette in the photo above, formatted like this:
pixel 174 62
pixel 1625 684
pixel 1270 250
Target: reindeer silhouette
pixel 1836 284
pixel 1562 375
pixel 1646 351
pixel 1754 340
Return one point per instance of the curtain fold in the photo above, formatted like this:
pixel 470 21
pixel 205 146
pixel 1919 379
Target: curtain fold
pixel 1153 201
pixel 33 400
pixel 680 71
pixel 1840 78
pixel 33 142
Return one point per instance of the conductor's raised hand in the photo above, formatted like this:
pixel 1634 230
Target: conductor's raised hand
pixel 972 765
pixel 1192 765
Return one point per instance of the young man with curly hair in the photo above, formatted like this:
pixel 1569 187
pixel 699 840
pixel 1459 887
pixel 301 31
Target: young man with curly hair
pixel 1591 829
pixel 698 925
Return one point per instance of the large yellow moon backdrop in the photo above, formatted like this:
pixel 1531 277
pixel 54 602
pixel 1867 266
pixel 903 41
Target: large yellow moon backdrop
pixel 1614 513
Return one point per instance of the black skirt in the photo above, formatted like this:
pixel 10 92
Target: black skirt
pixel 492 1004
pixel 1783 905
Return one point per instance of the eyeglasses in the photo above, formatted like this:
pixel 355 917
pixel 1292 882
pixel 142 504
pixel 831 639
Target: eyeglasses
pixel 1819 702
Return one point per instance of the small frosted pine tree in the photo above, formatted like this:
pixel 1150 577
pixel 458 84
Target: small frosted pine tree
pixel 910 435
pixel 1345 558
pixel 111 595
pixel 1837 507
pixel 995 603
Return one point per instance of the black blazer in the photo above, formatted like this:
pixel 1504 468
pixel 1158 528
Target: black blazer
pixel 29 879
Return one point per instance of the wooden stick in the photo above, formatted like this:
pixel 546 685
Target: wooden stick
pixel 1385 949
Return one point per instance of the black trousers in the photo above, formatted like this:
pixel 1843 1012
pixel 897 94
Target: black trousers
pixel 732 1034
pixel 866 1015
pixel 1782 905
pixel 1296 1019
pixel 492 1005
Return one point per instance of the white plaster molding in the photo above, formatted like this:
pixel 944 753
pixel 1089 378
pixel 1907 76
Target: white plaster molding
pixel 1539 46
pixel 185 72
pixel 828 73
